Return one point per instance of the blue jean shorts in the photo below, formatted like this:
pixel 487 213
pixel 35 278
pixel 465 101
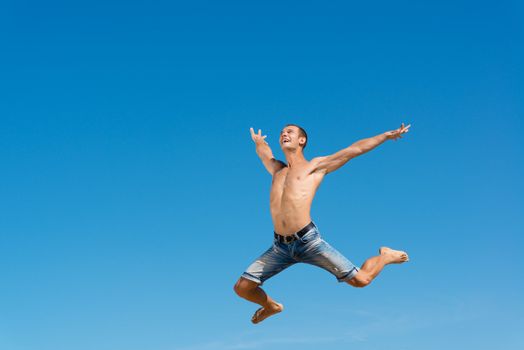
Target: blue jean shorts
pixel 309 249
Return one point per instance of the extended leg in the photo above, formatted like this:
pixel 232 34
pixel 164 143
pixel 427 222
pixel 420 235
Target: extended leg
pixel 251 291
pixel 372 267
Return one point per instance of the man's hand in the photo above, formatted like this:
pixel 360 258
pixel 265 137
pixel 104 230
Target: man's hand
pixel 397 134
pixel 264 152
pixel 258 138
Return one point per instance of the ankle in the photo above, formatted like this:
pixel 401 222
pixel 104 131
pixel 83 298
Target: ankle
pixel 271 304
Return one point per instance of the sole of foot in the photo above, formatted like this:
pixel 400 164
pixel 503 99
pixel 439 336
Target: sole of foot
pixel 397 256
pixel 263 313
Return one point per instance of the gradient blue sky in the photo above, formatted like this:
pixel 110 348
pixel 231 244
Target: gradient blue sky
pixel 131 197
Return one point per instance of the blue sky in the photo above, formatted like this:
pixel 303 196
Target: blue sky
pixel 131 197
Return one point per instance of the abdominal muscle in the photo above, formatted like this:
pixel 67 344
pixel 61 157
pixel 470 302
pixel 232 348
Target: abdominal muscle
pixel 288 221
pixel 290 202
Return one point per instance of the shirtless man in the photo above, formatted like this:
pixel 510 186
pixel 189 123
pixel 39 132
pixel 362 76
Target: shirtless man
pixel 296 238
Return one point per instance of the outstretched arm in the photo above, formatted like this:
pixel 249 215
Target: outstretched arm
pixel 335 161
pixel 264 152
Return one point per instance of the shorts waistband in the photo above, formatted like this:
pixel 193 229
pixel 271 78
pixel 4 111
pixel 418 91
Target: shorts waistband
pixel 296 235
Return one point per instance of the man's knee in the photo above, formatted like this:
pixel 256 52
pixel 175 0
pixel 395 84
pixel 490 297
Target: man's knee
pixel 244 286
pixel 360 280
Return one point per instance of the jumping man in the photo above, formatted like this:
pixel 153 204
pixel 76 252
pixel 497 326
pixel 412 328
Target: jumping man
pixel 296 237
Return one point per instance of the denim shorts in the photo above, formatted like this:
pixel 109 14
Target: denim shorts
pixel 309 249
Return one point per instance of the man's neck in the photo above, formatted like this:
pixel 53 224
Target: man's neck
pixel 294 157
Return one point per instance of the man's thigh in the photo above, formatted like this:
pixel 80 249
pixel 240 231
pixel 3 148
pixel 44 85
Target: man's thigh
pixel 322 254
pixel 271 262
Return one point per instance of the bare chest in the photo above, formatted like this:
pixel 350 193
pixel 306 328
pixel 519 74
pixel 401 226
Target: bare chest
pixel 293 183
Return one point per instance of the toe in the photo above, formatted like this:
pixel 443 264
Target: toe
pixel 256 316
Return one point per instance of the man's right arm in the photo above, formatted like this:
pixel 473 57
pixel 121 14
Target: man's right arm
pixel 335 161
pixel 264 152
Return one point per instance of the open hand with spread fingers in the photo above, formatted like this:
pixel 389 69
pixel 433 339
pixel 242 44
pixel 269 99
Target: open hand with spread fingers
pixel 397 134
pixel 258 138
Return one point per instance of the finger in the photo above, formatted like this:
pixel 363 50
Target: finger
pixel 407 127
pixel 252 131
pixel 259 132
pixel 263 137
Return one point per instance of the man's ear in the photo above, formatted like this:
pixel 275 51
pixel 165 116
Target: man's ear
pixel 302 141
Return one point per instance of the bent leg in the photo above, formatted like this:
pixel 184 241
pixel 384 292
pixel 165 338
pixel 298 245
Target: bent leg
pixel 251 291
pixel 374 265
pixel 273 261
pixel 316 251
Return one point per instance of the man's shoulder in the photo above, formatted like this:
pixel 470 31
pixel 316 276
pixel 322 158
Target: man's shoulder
pixel 315 164
pixel 280 168
pixel 316 160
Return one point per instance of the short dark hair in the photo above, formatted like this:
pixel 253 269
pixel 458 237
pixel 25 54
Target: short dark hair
pixel 302 132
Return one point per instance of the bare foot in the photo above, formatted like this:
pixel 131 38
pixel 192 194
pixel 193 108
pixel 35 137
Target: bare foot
pixel 263 313
pixel 394 256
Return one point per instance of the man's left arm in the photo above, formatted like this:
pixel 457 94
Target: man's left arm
pixel 336 160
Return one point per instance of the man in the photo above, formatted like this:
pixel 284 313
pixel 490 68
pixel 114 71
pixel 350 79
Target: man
pixel 296 238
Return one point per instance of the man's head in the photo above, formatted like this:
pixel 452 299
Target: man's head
pixel 292 137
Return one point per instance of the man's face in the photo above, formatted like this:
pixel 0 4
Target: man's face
pixel 290 138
